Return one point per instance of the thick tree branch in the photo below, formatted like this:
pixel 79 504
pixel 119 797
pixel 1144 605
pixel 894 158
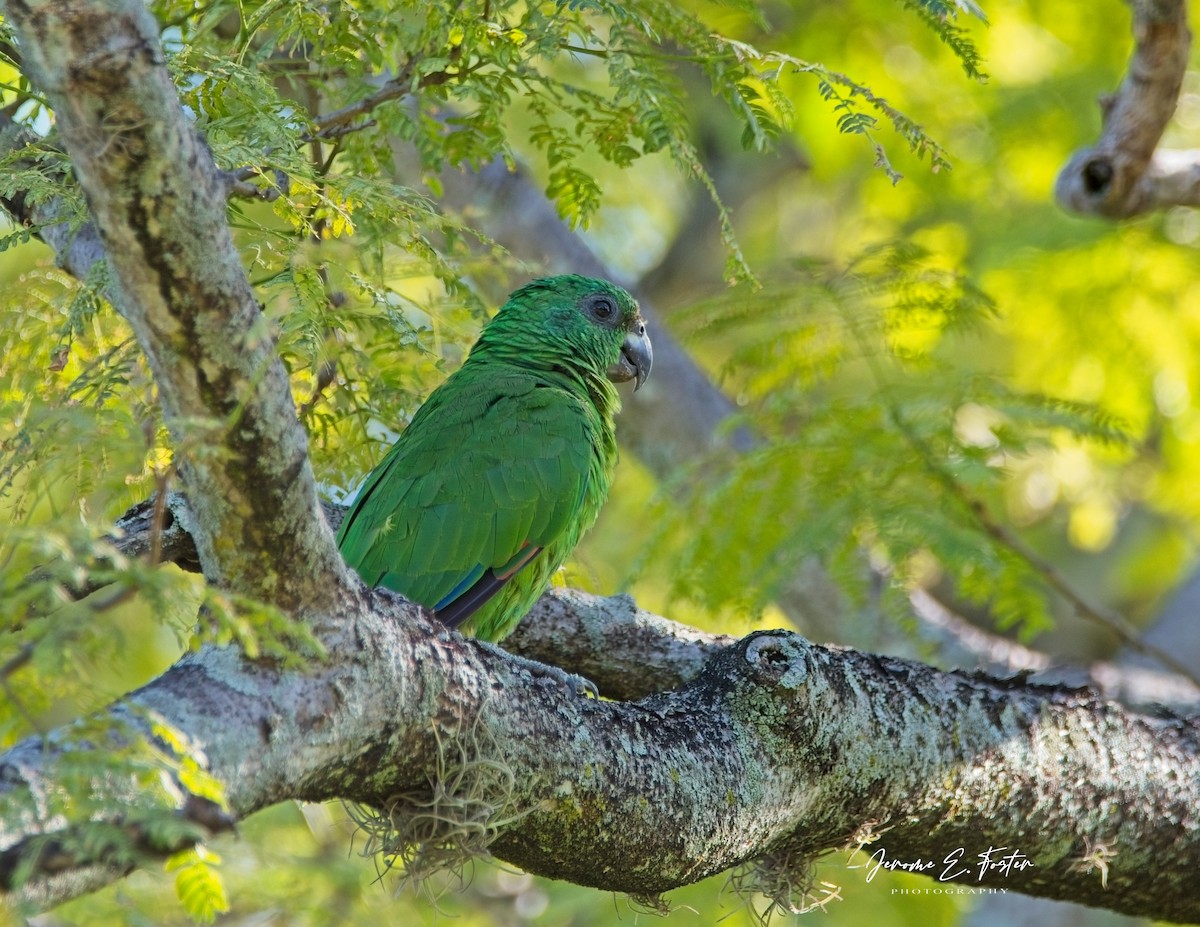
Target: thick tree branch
pixel 778 748
pixel 1125 173
pixel 913 756
pixel 158 203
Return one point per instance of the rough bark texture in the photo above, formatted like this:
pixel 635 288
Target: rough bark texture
pixel 1125 173
pixel 778 747
pixel 771 748
pixel 159 204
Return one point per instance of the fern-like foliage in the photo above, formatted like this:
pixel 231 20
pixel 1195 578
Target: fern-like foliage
pixel 939 16
pixel 198 884
pixel 383 298
pixel 870 444
pixel 83 786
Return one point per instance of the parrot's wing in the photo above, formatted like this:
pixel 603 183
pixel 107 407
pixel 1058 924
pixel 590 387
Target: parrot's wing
pixel 487 474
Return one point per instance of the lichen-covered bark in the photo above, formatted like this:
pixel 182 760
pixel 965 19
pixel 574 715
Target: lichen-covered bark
pixel 776 744
pixel 158 203
pixel 1125 173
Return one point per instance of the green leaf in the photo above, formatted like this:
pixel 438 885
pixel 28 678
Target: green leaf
pixel 198 884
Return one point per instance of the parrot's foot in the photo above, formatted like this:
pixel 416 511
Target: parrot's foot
pixel 579 685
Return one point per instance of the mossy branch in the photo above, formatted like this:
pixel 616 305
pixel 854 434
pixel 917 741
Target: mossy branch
pixel 777 749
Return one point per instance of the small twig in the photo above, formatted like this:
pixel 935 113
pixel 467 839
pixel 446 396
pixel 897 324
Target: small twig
pixel 18 660
pixel 9 112
pixel 158 519
pixel 326 374
pixel 581 50
pixel 23 656
pixel 334 150
pixel 333 126
pixel 339 122
pixel 393 89
pixel 349 129
pixel 238 183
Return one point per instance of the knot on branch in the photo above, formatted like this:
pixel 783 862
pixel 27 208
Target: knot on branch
pixel 778 658
pixel 1103 183
pixel 1097 176
pixel 768 681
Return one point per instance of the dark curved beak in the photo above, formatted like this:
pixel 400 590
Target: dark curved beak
pixel 637 356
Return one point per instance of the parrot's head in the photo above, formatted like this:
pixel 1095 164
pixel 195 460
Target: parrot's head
pixel 572 321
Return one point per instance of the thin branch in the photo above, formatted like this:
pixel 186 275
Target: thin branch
pixel 342 121
pixel 396 88
pixel 1130 685
pixel 1106 618
pixel 326 375
pixel 1125 173
pixel 239 183
pixel 336 125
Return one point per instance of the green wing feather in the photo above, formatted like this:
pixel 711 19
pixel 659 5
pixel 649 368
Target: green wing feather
pixel 494 462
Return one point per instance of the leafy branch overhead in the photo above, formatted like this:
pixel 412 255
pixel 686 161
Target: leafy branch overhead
pixel 455 78
pixel 597 78
pixel 913 428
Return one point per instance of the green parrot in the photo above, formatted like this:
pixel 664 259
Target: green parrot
pixel 507 463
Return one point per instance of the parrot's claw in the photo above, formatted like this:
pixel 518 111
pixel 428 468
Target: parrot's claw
pixel 580 686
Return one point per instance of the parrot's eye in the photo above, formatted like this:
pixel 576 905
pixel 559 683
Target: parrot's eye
pixel 603 308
